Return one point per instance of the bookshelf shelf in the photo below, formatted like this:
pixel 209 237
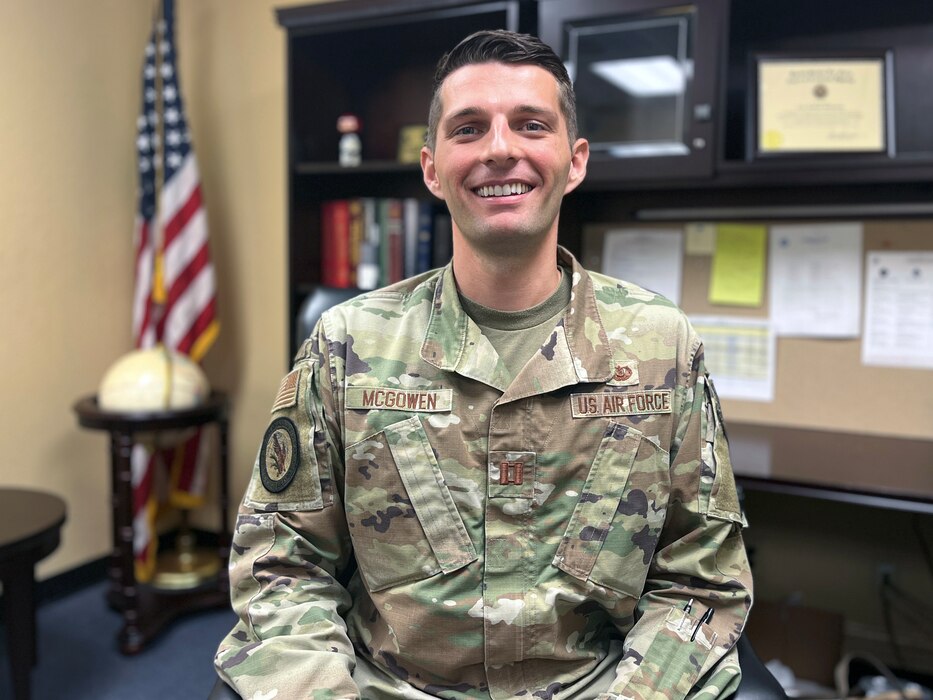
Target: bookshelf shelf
pixel 380 167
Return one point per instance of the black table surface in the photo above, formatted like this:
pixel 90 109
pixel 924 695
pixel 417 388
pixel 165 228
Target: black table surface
pixel 27 515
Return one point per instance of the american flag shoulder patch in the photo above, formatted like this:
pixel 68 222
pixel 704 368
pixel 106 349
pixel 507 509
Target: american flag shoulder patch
pixel 288 392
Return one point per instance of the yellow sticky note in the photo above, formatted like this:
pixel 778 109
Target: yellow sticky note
pixel 738 273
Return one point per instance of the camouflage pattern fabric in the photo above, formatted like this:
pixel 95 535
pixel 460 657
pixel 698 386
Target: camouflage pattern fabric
pixel 560 536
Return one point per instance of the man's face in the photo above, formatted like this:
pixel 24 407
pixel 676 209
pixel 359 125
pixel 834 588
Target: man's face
pixel 502 160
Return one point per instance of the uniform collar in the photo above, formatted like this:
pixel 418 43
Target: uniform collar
pixel 578 350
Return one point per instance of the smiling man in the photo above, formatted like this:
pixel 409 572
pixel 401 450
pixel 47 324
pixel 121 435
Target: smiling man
pixel 501 156
pixel 507 478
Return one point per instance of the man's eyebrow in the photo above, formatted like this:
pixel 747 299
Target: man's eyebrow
pixel 534 109
pixel 520 109
pixel 465 112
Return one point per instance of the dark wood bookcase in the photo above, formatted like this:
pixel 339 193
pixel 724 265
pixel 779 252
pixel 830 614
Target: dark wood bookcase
pixel 635 28
pixel 375 59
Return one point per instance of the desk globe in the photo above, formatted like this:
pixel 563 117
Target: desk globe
pixel 156 379
pixel 159 380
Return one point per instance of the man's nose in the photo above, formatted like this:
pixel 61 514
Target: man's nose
pixel 501 145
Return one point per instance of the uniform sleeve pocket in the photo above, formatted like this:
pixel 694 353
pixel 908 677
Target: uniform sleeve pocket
pixel 403 521
pixel 286 473
pixel 723 498
pixel 675 658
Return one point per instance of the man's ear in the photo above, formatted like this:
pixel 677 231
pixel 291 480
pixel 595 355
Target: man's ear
pixel 429 173
pixel 578 160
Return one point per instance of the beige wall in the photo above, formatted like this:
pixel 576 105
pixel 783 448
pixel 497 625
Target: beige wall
pixel 69 77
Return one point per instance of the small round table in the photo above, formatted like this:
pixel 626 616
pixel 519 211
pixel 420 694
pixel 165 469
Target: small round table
pixel 146 609
pixel 30 530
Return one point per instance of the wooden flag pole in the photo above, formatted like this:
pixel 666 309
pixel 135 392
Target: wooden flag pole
pixel 159 293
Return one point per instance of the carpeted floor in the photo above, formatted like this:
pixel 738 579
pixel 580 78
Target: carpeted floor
pixel 78 656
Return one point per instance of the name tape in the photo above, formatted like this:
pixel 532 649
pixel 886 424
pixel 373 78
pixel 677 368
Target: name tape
pixel 414 400
pixel 630 403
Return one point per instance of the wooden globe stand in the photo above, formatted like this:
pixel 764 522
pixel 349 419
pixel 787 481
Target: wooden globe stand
pixel 193 581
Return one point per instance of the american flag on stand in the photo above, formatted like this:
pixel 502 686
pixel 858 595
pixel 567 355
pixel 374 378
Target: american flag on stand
pixel 174 301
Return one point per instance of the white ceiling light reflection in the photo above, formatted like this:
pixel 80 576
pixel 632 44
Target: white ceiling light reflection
pixel 651 76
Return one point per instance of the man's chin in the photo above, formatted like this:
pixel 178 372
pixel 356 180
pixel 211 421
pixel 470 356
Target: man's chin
pixel 506 242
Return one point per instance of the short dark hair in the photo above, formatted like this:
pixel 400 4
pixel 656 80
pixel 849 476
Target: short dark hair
pixel 501 46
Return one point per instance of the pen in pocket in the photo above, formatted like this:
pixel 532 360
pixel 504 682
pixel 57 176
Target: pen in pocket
pixel 706 618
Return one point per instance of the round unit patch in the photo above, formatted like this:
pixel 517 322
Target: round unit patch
pixel 278 459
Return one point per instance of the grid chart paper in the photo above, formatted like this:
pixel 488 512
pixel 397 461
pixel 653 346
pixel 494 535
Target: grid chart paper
pixel 739 356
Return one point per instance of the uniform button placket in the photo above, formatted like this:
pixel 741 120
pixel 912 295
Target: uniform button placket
pixel 507 544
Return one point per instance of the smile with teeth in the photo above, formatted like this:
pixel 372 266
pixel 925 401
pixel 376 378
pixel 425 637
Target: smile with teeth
pixel 503 190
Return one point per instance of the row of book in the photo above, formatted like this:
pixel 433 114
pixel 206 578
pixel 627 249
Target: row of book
pixel 370 242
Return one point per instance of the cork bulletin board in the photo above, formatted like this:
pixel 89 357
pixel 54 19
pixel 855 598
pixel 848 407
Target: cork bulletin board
pixel 819 383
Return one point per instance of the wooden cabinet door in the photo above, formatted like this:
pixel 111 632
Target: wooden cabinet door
pixel 645 74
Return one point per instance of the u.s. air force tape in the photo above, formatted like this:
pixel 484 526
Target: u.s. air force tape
pixel 279 456
pixel 629 403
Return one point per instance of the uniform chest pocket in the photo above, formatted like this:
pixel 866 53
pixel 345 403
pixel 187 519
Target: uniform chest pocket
pixel 403 521
pixel 614 529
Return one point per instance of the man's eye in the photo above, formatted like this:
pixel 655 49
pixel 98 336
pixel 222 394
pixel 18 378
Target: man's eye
pixel 534 126
pixel 466 131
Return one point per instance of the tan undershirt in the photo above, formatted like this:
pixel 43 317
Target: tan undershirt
pixel 517 335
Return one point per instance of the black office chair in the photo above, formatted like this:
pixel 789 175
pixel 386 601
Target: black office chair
pixel 316 303
pixel 757 681
pixel 222 691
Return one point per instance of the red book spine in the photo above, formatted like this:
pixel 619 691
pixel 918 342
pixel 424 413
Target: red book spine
pixel 335 243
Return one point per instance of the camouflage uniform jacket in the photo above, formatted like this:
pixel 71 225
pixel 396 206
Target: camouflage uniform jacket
pixel 511 538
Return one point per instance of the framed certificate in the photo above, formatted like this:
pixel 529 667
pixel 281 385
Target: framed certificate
pixel 819 105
